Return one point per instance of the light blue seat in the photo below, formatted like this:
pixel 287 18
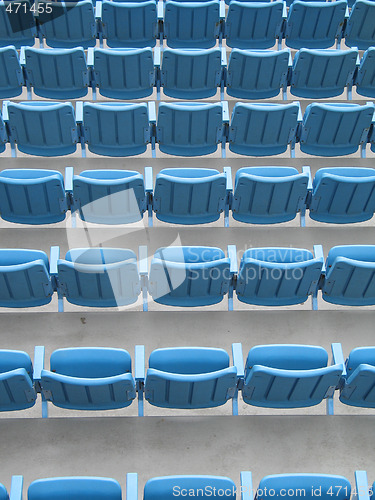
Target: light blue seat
pixel 56 73
pixel 314 25
pixel 99 277
pixel 16 384
pixel 32 196
pixel 84 488
pixel 263 129
pixel 11 75
pixel 69 25
pixel 191 73
pixel 18 26
pixel 359 29
pixel 123 73
pixel 365 77
pixel 343 195
pixel 3 134
pixel 257 74
pixel 41 128
pixel 278 276
pixel 161 488
pixel 109 196
pixel 192 24
pixel 190 129
pixel 254 25
pixel 268 195
pixel 319 73
pixel 358 386
pixel 335 129
pixel 129 24
pixel 24 278
pixel 350 276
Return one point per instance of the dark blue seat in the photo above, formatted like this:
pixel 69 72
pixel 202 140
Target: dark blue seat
pixel 17 25
pixel 11 75
pixel 358 385
pixel 365 77
pixel 359 29
pixel 84 488
pixel 16 384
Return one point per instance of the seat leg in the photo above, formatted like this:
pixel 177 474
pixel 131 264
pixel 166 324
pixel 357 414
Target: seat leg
pixel 235 403
pixel 13 149
pixel 363 150
pixel 140 402
pixel 303 218
pixel 44 407
pixel 330 405
pixel 74 218
pixel 60 302
pixel 83 147
pixel 314 301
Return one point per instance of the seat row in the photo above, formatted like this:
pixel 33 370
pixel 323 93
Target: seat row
pixel 188 24
pixel 274 376
pixel 188 276
pixel 188 196
pixel 185 73
pixel 186 129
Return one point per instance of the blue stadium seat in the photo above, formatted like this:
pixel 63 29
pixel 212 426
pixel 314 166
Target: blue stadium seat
pixel 335 129
pixel 359 29
pixel 268 195
pixel 365 77
pixel 16 383
pixel 320 73
pixel 278 276
pixel 192 24
pixel 3 493
pixel 192 73
pixel 84 488
pixel 343 195
pixel 128 24
pixel 191 129
pixel 56 73
pixel 32 196
pixel 254 25
pixel 161 488
pixel 122 73
pixel 314 25
pixel 357 388
pixel 11 75
pixel 263 129
pixel 69 25
pixel 17 25
pixel 24 278
pixel 289 376
pixel 257 74
pixel 372 137
pixel 3 134
pixel 350 276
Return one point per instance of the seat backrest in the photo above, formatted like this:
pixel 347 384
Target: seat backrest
pixel 32 196
pixel 165 488
pixel 76 488
pixel 16 386
pixel 11 75
pixel 365 78
pixel 124 73
pixel 359 387
pixel 359 30
pixel 17 25
pixel 189 196
pixel 3 493
pixel 359 356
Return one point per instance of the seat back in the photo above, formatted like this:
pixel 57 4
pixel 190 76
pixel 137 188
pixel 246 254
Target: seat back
pixel 16 386
pixel 262 129
pixel 359 386
pixel 253 25
pixel 268 195
pixel 3 493
pixel 57 73
pixel 335 129
pixel 124 73
pixel 322 73
pixel 257 74
pixel 129 24
pixel 314 25
pixel 359 30
pixel 192 24
pixel 109 196
pixel 11 75
pixel 165 488
pixel 343 195
pixel 17 25
pixel 116 129
pixel 365 78
pixel 84 488
pixel 277 276
pixel 189 129
pixel 189 196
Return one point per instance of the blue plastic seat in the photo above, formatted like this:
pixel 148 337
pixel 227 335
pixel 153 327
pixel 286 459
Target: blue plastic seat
pixel 3 134
pixel 314 25
pixel 365 77
pixel 32 196
pixel 16 383
pixel 277 276
pixel 192 24
pixel 263 129
pixel 190 129
pixel 99 277
pixel 254 25
pixel 17 26
pixel 257 74
pixel 24 278
pixel 84 488
pixel 129 24
pixel 350 276
pixel 56 73
pixel 268 195
pixel 343 195
pixel 335 129
pixel 191 73
pixel 69 25
pixel 359 29
pixel 372 139
pixel 11 75
pixel 3 493
pixel 162 488
pixel 41 128
pixel 358 387
pixel 123 73
pixel 318 73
